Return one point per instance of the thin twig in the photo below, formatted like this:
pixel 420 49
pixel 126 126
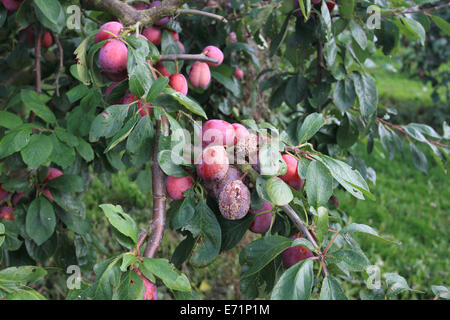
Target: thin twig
pixel 61 63
pixel 197 57
pixel 202 13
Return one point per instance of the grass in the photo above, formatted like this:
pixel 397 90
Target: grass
pixel 412 208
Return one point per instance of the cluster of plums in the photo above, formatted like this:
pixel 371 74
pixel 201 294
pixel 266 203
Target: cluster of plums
pixel 7 212
pixel 228 185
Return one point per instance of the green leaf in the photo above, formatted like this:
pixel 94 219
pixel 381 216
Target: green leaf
pixel 184 212
pixel 311 125
pixel 167 161
pixel 14 141
pixel 157 87
pixel 140 134
pixel 387 141
pixel 355 227
pixel 396 284
pixel 9 120
pixel 187 102
pixel 346 8
pixel 441 292
pixel 171 277
pixel 319 184
pixel 418 157
pixel 441 23
pixel 350 259
pixel 82 69
pixel 350 179
pixel 322 224
pixel 85 150
pixel 22 275
pixel 120 220
pixel 348 132
pixel 50 13
pixel 303 242
pixel 276 42
pixel 37 151
pixel 67 183
pixel 295 283
pixel 232 84
pixel 278 191
pixel 416 28
pixel 123 133
pixel 358 34
pixel 109 122
pixel 205 227
pixel 332 289
pixel 260 252
pixel 40 220
pixel 32 102
pixel 366 92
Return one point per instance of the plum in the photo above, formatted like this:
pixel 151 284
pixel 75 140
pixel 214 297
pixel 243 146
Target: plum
pixel 113 58
pixel 215 187
pixel 234 200
pixel 261 223
pixel 214 163
pixel 143 108
pixel 113 29
pixel 177 186
pixel 178 82
pixel 12 5
pixel 162 69
pixel 213 53
pixel 7 213
pixel 291 176
pixel 295 254
pixel 238 73
pixel 153 35
pixel 52 174
pixel 200 75
pixel 218 132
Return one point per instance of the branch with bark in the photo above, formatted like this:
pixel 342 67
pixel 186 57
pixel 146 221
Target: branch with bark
pixel 159 197
pixel 129 15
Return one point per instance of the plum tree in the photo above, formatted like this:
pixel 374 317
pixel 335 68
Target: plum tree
pixel 213 164
pixel 218 132
pixel 178 82
pixel 261 222
pixel 200 75
pixel 109 30
pixel 295 254
pixel 176 186
pixel 213 53
pixel 291 176
pixel 234 200
pixel 306 80
pixel 113 59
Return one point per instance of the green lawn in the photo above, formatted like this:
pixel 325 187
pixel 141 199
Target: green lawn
pixel 412 208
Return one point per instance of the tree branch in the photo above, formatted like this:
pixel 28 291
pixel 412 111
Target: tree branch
pixel 159 196
pixel 202 13
pixel 130 15
pixel 197 57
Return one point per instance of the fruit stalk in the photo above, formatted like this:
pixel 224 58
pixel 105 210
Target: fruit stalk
pixel 196 57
